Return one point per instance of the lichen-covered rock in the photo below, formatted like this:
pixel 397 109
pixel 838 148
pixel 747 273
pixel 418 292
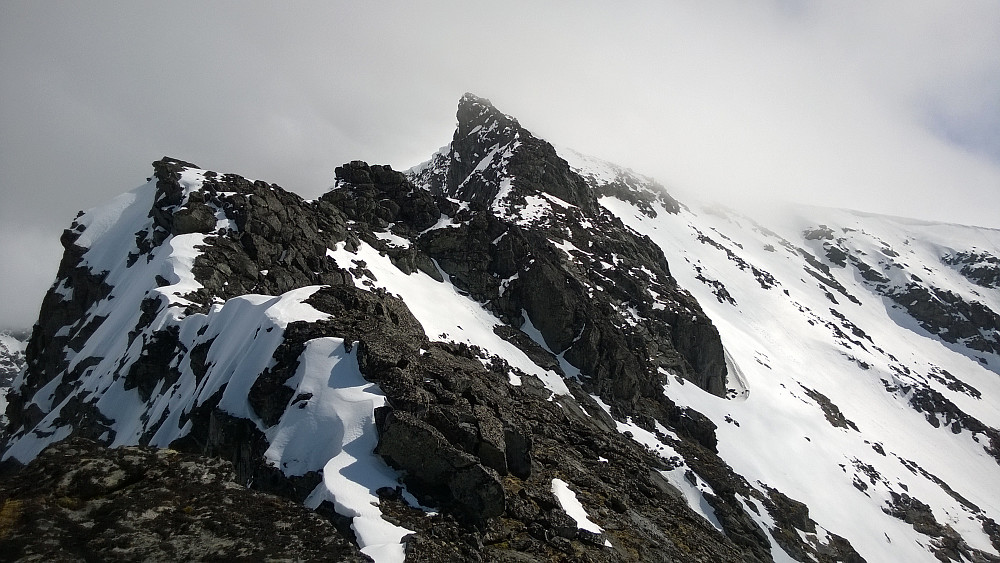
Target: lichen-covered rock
pixel 82 502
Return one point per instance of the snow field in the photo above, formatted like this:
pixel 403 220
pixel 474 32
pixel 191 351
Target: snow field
pixel 783 438
pixel 330 427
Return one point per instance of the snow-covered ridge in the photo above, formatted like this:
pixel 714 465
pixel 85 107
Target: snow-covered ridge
pixel 149 277
pixel 534 328
pixel 466 322
pixel 599 172
pixel 837 361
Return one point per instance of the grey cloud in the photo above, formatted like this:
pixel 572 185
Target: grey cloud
pixel 884 107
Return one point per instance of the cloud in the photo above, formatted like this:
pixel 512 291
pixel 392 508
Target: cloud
pixel 884 107
pixel 30 259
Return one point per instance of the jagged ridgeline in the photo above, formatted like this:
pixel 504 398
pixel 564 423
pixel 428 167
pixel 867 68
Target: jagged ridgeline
pixel 488 357
pixel 210 314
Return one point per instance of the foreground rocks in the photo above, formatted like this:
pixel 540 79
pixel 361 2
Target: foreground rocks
pixel 79 501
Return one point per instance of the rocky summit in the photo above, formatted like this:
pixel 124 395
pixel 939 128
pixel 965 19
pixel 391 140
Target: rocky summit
pixel 511 352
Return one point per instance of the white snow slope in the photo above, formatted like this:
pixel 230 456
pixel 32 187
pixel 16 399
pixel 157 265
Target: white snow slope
pixel 792 339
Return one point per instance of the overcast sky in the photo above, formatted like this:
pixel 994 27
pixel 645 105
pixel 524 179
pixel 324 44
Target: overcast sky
pixel 889 107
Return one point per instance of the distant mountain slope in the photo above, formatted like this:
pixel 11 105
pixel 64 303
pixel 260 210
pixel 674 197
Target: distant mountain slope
pixel 12 344
pixel 515 352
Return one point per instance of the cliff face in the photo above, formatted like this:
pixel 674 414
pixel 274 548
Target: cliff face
pixel 12 345
pixel 543 251
pixel 497 336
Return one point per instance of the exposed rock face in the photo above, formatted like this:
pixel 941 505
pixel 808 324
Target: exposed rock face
pixel 482 133
pixel 612 180
pixel 970 323
pixel 573 268
pixel 12 345
pixel 277 243
pixel 432 463
pixel 967 322
pixel 982 268
pixel 946 544
pixel 947 315
pixel 79 501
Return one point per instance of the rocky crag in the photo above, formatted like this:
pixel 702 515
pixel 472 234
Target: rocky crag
pixel 482 358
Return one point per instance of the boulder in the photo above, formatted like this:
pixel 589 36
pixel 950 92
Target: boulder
pixel 432 464
pixel 195 218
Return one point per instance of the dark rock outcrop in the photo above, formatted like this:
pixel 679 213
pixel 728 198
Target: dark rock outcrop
pixel 981 268
pixel 432 464
pixel 946 543
pixel 947 315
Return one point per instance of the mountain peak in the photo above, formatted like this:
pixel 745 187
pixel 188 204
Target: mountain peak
pixel 469 98
pixel 493 161
pixel 473 111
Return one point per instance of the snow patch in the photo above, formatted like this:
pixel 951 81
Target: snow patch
pixel 572 506
pixel 330 427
